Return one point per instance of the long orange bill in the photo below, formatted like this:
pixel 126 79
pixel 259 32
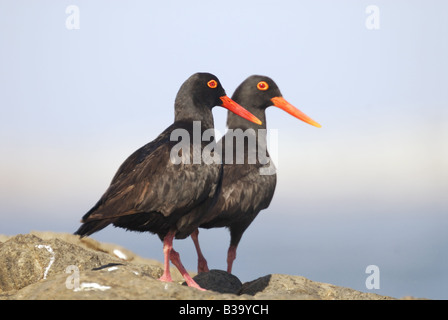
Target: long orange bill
pixel 286 106
pixel 231 105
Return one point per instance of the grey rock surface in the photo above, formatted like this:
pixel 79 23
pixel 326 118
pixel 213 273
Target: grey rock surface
pixel 52 266
pixel 297 287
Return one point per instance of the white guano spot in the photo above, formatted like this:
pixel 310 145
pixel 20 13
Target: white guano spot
pixel 112 269
pixel 120 254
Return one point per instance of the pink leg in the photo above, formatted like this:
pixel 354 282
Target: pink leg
pixel 167 248
pixel 231 255
pixel 202 263
pixel 175 258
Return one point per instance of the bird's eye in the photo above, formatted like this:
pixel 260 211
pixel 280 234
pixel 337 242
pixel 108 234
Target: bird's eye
pixel 262 85
pixel 212 84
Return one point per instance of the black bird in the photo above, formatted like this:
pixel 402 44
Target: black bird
pixel 151 192
pixel 247 187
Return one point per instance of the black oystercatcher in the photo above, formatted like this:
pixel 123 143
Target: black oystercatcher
pixel 246 189
pixel 151 192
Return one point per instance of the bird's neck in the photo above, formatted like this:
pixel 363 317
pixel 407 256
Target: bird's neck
pixel 236 122
pixel 187 110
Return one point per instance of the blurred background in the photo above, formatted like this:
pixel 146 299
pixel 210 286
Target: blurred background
pixel 83 87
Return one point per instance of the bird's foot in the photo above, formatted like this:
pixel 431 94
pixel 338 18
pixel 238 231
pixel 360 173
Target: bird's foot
pixel 191 283
pixel 166 278
pixel 175 259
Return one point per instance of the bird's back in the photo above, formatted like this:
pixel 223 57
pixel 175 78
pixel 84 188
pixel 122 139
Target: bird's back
pixel 151 193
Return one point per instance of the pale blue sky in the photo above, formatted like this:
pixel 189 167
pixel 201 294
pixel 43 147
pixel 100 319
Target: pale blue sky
pixel 369 187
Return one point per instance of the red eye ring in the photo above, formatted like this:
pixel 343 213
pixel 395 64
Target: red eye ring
pixel 262 85
pixel 212 84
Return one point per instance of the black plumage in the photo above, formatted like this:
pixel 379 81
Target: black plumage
pixel 246 189
pixel 150 192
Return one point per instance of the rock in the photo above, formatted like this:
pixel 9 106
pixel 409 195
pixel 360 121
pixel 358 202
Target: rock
pixel 26 259
pixel 280 286
pixel 121 282
pixel 219 281
pixel 45 265
pixel 3 238
pixel 89 243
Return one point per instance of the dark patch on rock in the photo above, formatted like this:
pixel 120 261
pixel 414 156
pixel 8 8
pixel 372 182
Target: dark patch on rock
pixel 219 281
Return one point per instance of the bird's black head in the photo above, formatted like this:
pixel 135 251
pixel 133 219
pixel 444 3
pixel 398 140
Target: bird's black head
pixel 200 93
pixel 204 89
pixel 256 93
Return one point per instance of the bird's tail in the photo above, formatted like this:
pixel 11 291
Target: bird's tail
pixel 89 227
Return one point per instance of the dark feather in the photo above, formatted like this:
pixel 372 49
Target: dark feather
pixel 244 193
pixel 148 191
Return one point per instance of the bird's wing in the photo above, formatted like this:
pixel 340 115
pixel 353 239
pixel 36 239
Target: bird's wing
pixel 149 181
pixel 244 192
pixel 244 189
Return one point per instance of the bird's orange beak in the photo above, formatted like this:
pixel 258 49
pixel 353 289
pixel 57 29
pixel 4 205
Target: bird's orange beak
pixel 231 105
pixel 281 103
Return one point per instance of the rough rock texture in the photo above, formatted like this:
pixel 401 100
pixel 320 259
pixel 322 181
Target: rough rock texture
pixel 219 281
pixel 296 287
pixel 61 266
